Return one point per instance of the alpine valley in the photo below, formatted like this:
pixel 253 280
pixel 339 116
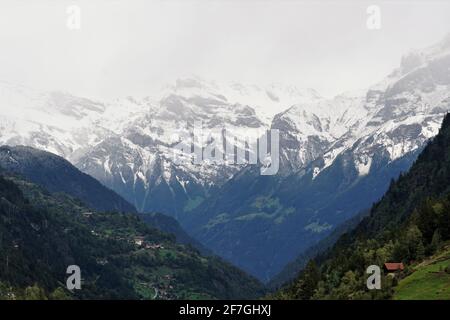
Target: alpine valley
pixel 337 156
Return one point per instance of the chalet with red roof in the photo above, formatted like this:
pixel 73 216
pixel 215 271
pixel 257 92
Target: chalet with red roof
pixel 393 267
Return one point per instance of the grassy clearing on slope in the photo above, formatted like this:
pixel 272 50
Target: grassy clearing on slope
pixel 430 281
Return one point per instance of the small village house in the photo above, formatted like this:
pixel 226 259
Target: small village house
pixel 392 268
pixel 139 240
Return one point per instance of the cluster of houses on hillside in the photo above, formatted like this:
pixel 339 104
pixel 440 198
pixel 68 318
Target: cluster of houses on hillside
pixel 140 242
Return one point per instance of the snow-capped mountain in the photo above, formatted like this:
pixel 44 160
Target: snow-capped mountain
pixel 140 162
pixel 401 113
pixel 266 101
pixel 398 115
pixel 128 144
pixel 309 130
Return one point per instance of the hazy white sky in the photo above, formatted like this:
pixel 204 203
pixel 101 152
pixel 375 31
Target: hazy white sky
pixel 129 47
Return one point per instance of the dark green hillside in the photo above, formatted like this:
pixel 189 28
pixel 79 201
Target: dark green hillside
pixel 42 233
pixel 410 223
pixel 57 175
pixel 170 225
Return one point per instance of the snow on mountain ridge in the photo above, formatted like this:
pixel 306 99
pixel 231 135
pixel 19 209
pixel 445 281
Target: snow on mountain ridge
pixel 266 101
pixel 396 116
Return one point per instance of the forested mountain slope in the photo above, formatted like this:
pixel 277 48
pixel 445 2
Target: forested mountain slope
pixel 41 234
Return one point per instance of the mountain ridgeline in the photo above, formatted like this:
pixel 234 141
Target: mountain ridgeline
pixel 410 223
pixel 58 175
